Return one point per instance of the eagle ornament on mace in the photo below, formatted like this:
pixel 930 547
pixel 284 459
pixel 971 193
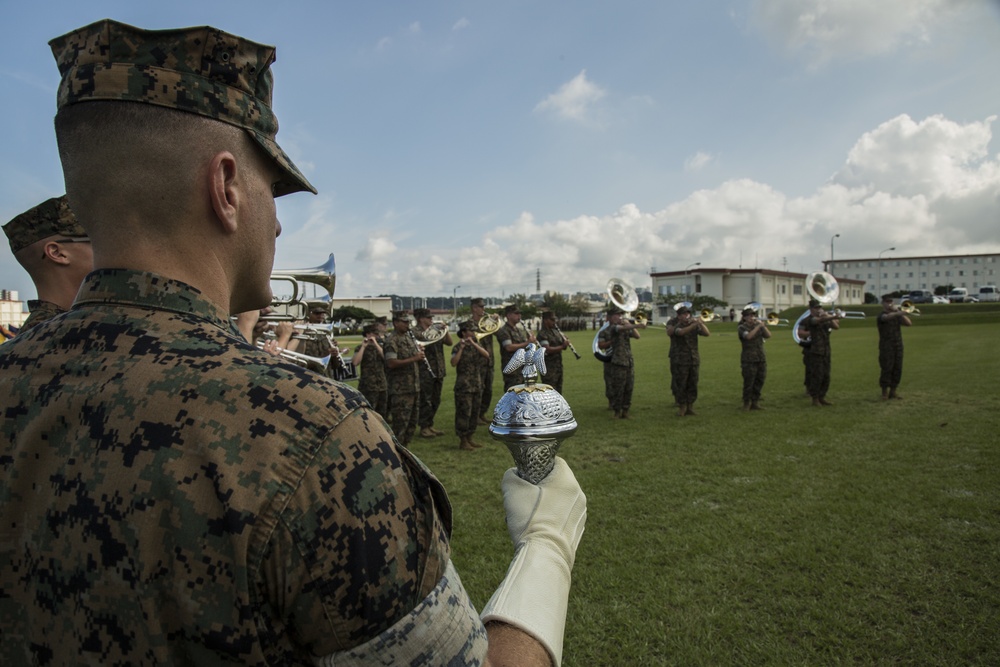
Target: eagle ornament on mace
pixel 532 418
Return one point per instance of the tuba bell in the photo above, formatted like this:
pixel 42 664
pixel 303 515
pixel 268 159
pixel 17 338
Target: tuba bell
pixel 624 297
pixel 823 287
pixel 324 275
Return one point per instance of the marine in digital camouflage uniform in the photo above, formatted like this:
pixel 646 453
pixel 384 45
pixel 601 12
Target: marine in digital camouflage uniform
pixel 554 343
pixel 685 361
pixel 402 359
pixel 753 361
pixel 368 356
pixel 478 307
pixel 468 357
pixel 170 494
pixel 513 335
pixel 819 324
pixel 890 346
pixel 432 373
pixel 620 371
pixel 54 249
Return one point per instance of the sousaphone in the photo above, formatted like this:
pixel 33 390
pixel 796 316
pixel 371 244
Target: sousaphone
pixel 624 297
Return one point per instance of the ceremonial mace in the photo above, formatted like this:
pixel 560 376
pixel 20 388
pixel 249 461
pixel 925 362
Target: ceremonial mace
pixel 532 418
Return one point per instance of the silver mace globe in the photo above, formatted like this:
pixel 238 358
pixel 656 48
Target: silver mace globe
pixel 532 419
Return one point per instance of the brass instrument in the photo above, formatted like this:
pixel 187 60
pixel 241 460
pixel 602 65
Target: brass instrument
pixel 823 287
pixel 433 334
pixel 324 275
pixel 706 315
pixel 624 297
pixel 298 357
pixel 907 307
pixel 775 321
pixel 487 326
pixel 798 324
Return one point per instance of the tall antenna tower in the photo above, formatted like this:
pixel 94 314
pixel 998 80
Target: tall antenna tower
pixel 538 280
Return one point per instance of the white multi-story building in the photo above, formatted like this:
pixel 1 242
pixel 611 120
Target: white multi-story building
pixel 11 309
pixel 774 290
pixel 903 274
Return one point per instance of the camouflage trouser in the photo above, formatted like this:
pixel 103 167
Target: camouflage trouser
pixel 607 382
pixel 621 381
pixel 890 360
pixel 466 413
pixel 805 362
pixel 403 412
pixel 430 398
pixel 377 398
pixel 754 374
pixel 819 375
pixel 555 378
pixel 486 399
pixel 684 382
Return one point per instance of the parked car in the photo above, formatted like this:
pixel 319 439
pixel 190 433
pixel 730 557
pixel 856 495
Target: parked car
pixel 958 295
pixel 939 299
pixel 920 296
pixel 989 293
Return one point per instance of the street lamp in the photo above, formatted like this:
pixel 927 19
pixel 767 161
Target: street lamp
pixel 690 265
pixel 454 304
pixel 879 295
pixel 835 236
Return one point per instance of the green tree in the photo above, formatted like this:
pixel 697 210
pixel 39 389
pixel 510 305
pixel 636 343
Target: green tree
pixel 345 313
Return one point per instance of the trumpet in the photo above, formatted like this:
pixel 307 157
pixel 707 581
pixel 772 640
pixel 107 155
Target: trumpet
pixel 907 307
pixel 849 314
pixel 706 315
pixel 298 357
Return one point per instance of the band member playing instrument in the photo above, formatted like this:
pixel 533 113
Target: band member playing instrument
pixel 620 371
pixel 820 323
pixel 554 343
pixel 403 358
pixel 890 346
pixel 753 362
pixel 431 374
pixel 513 336
pixel 478 306
pixel 369 357
pixel 54 249
pixel 468 357
pixel 685 361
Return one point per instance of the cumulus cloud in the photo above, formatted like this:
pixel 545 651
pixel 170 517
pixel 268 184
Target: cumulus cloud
pixel 461 24
pixel 574 100
pixel 825 30
pixel 925 187
pixel 697 162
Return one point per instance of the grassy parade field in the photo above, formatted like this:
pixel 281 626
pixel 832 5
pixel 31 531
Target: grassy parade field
pixel 865 532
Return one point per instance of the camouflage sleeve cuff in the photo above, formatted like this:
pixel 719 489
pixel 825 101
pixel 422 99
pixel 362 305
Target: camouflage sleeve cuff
pixel 444 629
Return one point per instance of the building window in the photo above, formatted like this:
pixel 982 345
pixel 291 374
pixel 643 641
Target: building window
pixel 797 290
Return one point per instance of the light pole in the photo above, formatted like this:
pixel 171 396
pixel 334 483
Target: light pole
pixel 454 304
pixel 879 295
pixel 835 236
pixel 686 271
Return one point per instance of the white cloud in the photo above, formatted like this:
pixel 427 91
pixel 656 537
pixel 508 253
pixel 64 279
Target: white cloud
pixel 414 28
pixel 461 24
pixel 697 162
pixel 574 99
pixel 828 29
pixel 383 44
pixel 925 187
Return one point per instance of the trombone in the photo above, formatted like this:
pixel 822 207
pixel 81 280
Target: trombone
pixel 298 357
pixel 907 307
pixel 775 321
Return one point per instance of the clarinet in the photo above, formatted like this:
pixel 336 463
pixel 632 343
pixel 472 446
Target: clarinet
pixel 427 362
pixel 571 348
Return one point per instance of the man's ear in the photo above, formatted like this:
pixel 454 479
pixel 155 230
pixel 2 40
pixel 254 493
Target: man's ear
pixel 223 189
pixel 54 253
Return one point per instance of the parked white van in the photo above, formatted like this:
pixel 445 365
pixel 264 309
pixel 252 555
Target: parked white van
pixel 989 293
pixel 958 295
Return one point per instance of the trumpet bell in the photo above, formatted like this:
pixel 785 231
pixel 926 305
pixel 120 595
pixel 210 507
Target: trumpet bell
pixel 707 315
pixel 823 287
pixel 776 321
pixel 907 307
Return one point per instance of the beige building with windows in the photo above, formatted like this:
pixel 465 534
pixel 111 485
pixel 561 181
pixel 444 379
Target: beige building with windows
pixel 775 290
pixel 11 309
pixel 904 274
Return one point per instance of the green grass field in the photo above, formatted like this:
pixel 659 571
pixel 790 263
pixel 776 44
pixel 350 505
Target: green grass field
pixel 866 532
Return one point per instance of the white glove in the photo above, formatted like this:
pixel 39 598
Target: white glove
pixel 545 522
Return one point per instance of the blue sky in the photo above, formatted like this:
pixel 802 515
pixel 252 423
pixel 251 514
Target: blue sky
pixel 471 143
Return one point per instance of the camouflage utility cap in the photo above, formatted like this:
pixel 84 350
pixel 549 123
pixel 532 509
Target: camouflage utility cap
pixel 52 217
pixel 200 70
